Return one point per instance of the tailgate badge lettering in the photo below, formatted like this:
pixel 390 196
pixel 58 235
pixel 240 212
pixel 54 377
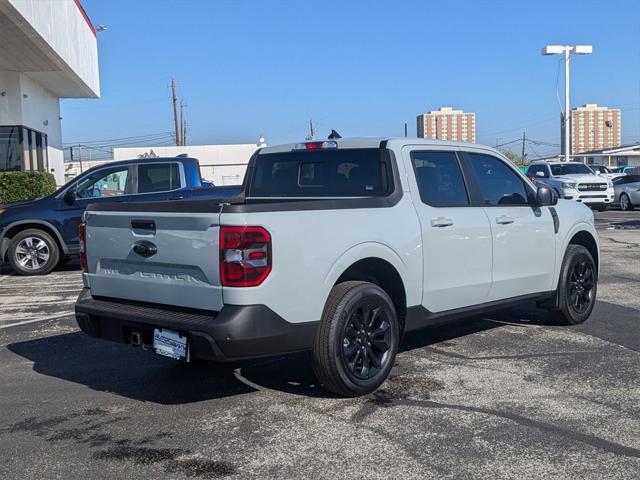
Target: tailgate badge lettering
pixel 145 249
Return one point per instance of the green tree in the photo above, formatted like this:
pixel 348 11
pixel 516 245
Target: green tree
pixel 515 158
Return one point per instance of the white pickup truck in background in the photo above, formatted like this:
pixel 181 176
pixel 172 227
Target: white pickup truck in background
pixel 574 181
pixel 338 247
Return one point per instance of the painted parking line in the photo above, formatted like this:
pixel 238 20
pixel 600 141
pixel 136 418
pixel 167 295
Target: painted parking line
pixel 34 320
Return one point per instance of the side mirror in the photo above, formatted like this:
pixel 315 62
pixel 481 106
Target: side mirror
pixel 69 196
pixel 546 197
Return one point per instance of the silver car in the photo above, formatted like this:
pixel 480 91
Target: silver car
pixel 627 191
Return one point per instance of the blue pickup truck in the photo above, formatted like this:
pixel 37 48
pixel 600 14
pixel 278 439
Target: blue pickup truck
pixel 37 235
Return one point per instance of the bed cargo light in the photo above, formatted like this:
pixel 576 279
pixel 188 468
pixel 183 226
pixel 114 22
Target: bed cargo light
pixel 326 144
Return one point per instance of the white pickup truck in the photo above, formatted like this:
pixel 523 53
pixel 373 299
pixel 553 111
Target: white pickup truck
pixel 574 181
pixel 338 247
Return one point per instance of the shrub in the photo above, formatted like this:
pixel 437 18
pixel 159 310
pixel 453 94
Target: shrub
pixel 20 186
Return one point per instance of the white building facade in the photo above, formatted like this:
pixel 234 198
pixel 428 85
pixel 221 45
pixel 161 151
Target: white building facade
pixel 48 51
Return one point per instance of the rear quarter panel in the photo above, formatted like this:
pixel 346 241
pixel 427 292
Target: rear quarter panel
pixel 312 248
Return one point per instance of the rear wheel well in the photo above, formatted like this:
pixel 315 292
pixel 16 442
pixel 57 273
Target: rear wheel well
pixel 37 226
pixel 585 239
pixel 383 274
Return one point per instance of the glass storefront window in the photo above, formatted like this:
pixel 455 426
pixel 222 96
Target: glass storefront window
pixel 22 148
pixel 10 158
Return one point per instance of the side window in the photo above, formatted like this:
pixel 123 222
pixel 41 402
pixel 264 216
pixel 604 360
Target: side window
pixel 110 182
pixel 439 178
pixel 499 185
pixel 161 177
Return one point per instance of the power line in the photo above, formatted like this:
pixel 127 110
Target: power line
pixel 106 141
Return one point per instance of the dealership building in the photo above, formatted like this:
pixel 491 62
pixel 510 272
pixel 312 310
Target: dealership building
pixel 48 51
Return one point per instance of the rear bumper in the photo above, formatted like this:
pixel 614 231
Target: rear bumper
pixel 234 333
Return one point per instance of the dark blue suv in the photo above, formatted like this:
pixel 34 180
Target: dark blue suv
pixel 37 235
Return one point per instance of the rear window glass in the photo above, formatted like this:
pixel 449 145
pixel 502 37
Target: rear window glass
pixel 161 177
pixel 328 173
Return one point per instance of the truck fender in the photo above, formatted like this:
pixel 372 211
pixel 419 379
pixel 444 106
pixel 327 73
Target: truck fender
pixel 372 250
pixel 49 226
pixel 580 226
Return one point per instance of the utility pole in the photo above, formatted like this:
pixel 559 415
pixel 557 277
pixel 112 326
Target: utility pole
pixel 524 139
pixel 80 156
pixel 312 133
pixel 405 129
pixel 175 110
pixel 184 132
pixel 182 122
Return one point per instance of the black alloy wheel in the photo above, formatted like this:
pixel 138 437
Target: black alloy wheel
pixel 577 287
pixel 366 340
pixel 357 339
pixel 581 286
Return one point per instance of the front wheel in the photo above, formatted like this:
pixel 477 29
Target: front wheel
pixel 357 339
pixel 625 202
pixel 33 252
pixel 577 288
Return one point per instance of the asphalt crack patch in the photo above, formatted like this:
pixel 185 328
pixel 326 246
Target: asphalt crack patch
pixel 388 400
pixel 87 428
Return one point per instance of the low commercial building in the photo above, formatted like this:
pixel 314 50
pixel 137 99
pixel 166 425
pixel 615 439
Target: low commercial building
pixel 48 51
pixel 622 156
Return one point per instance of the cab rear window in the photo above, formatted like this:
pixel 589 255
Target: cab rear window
pixel 328 173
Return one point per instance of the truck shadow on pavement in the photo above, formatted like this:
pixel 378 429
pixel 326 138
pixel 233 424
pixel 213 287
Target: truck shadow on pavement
pixel 128 371
pixel 142 375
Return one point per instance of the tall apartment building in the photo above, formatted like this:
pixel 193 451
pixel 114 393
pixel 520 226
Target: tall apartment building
pixel 594 128
pixel 448 124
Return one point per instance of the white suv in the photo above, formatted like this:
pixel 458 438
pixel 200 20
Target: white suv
pixel 574 181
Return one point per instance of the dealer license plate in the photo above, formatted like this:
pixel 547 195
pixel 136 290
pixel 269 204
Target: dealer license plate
pixel 170 344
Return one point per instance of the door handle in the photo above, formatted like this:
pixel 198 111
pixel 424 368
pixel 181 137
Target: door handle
pixel 504 220
pixel 441 222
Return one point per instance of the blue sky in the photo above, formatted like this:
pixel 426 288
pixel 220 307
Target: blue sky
pixel 361 67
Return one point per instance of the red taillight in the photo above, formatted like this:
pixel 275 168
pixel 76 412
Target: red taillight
pixel 245 256
pixel 82 235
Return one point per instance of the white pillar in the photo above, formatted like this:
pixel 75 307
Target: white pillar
pixel 567 108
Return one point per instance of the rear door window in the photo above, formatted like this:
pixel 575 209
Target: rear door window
pixel 161 177
pixel 328 173
pixel 439 179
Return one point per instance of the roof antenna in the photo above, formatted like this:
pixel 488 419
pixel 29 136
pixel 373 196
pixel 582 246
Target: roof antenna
pixel 334 135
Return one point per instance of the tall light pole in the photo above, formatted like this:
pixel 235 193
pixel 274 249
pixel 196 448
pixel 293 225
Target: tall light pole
pixel 567 50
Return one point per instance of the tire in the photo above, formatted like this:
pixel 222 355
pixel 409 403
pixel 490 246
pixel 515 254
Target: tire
pixel 33 252
pixel 625 202
pixel 65 259
pixel 577 288
pixel 352 361
pixel 601 208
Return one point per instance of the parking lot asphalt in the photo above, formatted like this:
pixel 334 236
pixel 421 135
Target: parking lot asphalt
pixel 506 396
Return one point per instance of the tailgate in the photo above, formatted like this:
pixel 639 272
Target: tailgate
pixel 165 253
